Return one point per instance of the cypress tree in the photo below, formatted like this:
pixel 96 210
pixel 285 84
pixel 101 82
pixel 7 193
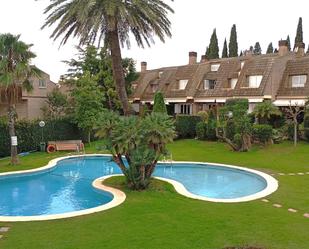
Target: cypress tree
pixel 213 46
pixel 159 105
pixel 270 48
pixel 307 50
pixel 257 49
pixel 233 45
pixel 224 51
pixel 207 52
pixel 299 32
pixel 241 53
pixel 289 42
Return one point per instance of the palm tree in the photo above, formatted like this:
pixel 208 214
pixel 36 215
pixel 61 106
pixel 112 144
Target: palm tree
pixel 111 21
pixel 263 111
pixel 15 71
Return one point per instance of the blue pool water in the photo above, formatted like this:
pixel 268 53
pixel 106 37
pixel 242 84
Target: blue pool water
pixel 68 186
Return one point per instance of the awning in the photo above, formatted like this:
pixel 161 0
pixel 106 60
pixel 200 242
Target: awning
pixel 204 100
pixel 255 100
pixel 171 100
pixel 290 102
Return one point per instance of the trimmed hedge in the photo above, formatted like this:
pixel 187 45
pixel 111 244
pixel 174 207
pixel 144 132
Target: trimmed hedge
pixel 306 126
pixel 262 132
pixel 186 125
pixel 30 134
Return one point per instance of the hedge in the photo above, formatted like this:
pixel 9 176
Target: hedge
pixel 29 134
pixel 262 132
pixel 186 125
pixel 306 125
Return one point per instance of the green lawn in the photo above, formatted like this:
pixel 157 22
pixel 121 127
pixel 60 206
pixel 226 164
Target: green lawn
pixel 161 218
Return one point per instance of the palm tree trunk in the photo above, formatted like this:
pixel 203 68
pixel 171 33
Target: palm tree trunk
pixel 11 116
pixel 118 70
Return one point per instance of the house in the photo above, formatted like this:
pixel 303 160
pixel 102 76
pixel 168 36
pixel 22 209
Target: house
pixel 280 77
pixel 30 103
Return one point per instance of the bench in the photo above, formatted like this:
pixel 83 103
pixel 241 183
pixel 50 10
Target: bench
pixel 67 145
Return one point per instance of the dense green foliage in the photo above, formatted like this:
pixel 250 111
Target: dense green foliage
pixel 30 134
pixel 270 48
pixel 56 105
pixel 257 50
pixel 289 42
pixel 224 50
pixel 201 128
pixel 265 111
pixel 299 32
pixel 159 104
pixel 186 125
pixel 233 45
pixel 306 125
pixel 213 52
pixel 262 133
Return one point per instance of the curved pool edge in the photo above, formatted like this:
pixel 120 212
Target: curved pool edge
pixel 271 187
pixel 118 196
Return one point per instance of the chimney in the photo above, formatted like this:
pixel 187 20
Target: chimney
pixel 203 59
pixel 300 49
pixel 192 58
pixel 283 47
pixel 143 66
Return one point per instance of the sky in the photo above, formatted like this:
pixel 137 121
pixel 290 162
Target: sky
pixel 192 25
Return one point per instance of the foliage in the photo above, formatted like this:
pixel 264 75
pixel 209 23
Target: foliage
pixel 56 104
pixel 201 128
pixel 306 125
pixel 224 50
pixel 289 42
pixel 211 126
pixel 270 48
pixel 30 134
pixel 142 141
pixel 206 129
pixel 204 116
pixel 186 125
pixel 87 103
pixel 292 114
pixel 213 46
pixel 265 110
pixel 159 104
pixel 233 45
pixel 257 50
pixel 299 32
pixel 262 133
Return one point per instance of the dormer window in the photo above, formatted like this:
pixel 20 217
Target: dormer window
pixel 254 81
pixel 42 84
pixel 209 84
pixel 232 83
pixel 183 84
pixel 154 88
pixel 298 80
pixel 134 86
pixel 214 67
pixel 160 74
pixel 242 65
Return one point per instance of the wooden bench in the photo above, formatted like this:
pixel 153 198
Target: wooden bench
pixel 67 145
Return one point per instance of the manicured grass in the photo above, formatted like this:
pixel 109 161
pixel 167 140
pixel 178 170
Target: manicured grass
pixel 161 218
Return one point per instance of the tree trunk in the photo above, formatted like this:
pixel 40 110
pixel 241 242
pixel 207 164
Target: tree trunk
pixel 118 73
pixel 11 116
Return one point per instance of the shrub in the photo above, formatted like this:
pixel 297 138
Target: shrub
pixel 201 128
pixel 186 125
pixel 159 104
pixel 262 133
pixel 204 116
pixel 211 127
pixel 306 126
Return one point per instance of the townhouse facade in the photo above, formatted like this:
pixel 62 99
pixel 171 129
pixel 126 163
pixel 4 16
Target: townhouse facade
pixel 280 77
pixel 30 103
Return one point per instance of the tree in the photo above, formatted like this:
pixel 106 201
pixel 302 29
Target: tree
pixel 263 111
pixel 257 49
pixel 233 45
pixel 224 50
pixel 159 104
pixel 307 52
pixel 57 104
pixel 289 42
pixel 15 71
pixel 292 114
pixel 111 22
pixel 207 52
pixel 270 48
pixel 141 141
pixel 299 33
pixel 213 46
pixel 241 53
pixel 87 102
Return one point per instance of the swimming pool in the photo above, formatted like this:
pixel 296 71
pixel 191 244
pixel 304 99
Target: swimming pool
pixel 65 186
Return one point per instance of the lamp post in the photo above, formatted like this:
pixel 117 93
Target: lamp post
pixel 42 144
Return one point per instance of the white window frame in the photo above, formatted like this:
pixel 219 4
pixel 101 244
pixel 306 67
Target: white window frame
pixel 214 67
pixel 232 82
pixel 182 84
pixel 254 81
pixel 154 88
pixel 42 85
pixel 185 109
pixel 206 85
pixel 298 80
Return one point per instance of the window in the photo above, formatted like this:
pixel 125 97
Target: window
pixel 154 87
pixel 242 65
pixel 214 67
pixel 209 84
pixel 42 84
pixel 254 81
pixel 298 80
pixel 160 74
pixel 183 84
pixel 232 83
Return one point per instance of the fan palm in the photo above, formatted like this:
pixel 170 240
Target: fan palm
pixel 15 71
pixel 263 111
pixel 112 21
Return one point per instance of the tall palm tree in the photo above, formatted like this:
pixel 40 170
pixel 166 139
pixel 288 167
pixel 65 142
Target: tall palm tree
pixel 263 111
pixel 111 21
pixel 15 71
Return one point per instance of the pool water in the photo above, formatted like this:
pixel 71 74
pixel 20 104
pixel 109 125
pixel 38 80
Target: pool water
pixel 68 186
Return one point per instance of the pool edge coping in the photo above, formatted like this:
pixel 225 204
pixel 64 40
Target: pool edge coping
pixel 119 196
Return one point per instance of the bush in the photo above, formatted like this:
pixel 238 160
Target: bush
pixel 159 104
pixel 262 133
pixel 201 129
pixel 30 134
pixel 306 126
pixel 186 125
pixel 211 127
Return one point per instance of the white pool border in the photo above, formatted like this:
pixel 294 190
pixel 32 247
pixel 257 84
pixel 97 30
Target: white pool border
pixel 119 196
